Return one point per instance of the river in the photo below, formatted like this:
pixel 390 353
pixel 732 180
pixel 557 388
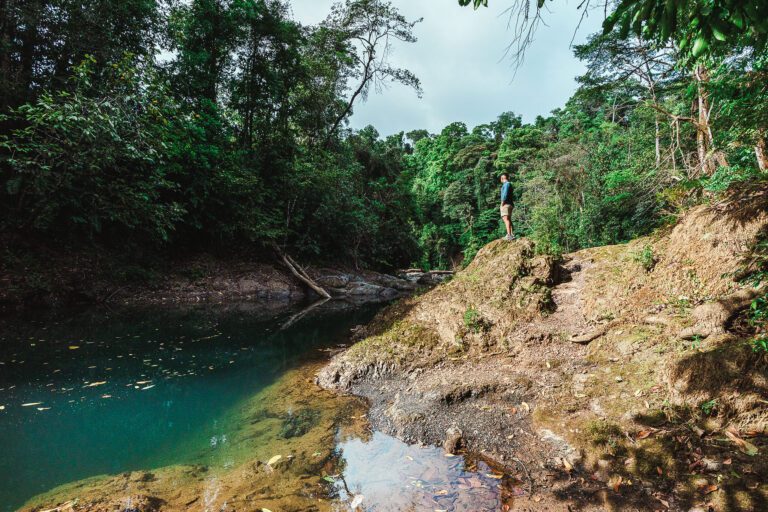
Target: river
pixel 203 408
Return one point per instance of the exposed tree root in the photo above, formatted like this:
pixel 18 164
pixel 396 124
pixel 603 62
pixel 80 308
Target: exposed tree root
pixel 712 318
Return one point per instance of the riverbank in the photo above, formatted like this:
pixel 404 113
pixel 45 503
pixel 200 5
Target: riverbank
pixel 39 278
pixel 617 378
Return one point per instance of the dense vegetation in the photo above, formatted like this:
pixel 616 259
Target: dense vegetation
pixel 219 125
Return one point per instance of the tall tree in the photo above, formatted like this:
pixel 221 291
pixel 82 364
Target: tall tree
pixel 367 28
pixel 41 40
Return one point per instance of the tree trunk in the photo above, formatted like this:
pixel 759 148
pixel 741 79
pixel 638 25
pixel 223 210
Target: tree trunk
pixel 760 154
pixel 702 124
pixel 709 158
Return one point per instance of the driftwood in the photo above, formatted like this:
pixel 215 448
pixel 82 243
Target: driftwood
pixel 300 274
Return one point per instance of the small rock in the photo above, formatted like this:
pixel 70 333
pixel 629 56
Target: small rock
pixel 711 465
pixel 452 440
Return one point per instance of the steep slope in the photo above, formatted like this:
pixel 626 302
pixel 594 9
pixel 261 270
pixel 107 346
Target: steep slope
pixel 611 379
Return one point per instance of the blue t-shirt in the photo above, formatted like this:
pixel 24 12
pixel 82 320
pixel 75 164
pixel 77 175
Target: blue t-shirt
pixel 506 193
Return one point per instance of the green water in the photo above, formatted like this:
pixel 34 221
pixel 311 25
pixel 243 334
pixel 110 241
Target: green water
pixel 139 389
pixel 168 377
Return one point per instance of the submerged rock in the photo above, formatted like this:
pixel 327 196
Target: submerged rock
pixel 296 425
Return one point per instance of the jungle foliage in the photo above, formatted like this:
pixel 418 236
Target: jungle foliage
pixel 234 137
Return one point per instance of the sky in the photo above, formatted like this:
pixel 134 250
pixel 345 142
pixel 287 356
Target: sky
pixel 460 61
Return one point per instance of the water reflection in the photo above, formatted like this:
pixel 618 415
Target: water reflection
pixel 384 474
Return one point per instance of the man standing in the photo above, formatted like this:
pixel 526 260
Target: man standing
pixel 506 205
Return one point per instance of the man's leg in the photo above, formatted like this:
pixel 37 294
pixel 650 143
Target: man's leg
pixel 508 224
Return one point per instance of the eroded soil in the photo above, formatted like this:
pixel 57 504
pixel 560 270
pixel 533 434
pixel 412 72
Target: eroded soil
pixel 577 375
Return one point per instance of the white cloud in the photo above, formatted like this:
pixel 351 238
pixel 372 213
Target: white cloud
pixel 460 60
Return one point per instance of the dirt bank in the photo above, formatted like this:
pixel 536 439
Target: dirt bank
pixel 50 279
pixel 616 378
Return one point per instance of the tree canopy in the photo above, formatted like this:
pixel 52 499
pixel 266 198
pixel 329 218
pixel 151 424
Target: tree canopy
pixel 237 139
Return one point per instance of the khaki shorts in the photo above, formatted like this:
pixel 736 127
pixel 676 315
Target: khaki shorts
pixel 506 210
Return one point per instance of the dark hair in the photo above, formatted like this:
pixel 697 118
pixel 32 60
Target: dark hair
pixel 505 175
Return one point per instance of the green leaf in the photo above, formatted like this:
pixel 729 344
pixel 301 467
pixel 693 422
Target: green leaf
pixel 737 19
pixel 720 36
pixel 700 45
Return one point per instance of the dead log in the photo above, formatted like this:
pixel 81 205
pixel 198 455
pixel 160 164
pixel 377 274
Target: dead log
pixel 300 274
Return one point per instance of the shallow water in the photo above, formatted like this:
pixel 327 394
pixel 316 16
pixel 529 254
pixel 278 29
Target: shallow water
pixel 225 390
pixel 386 474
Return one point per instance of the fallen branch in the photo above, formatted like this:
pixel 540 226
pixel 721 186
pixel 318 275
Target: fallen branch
pixel 300 274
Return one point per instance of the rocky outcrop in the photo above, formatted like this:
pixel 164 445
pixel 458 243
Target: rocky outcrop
pixel 363 286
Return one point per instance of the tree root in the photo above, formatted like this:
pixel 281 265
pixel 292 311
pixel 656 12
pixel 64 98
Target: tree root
pixel 712 318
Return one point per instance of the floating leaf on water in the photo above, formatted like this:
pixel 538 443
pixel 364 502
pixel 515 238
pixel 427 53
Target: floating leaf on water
pixel 30 404
pixel 94 384
pixel 2 407
pixel 148 387
pixel 43 408
pixel 106 396
pixel 74 347
pixel 274 460
pixel 142 382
